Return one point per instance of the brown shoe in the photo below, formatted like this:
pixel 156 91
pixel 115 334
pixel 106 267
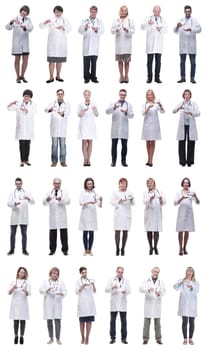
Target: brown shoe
pixel 53 164
pixel 145 341
pixel 159 341
pixel 63 164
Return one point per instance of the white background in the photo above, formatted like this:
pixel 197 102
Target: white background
pixel 38 178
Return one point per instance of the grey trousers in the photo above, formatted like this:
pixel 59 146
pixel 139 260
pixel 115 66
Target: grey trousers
pixel 57 328
pixel 157 326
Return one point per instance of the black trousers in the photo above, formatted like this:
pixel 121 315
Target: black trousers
pixel 123 150
pixel 189 157
pixel 89 67
pixel 123 324
pixel 150 58
pixel 63 239
pixel 22 327
pixel 24 148
pixel 191 326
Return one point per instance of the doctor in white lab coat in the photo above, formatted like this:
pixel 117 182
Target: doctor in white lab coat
pixel 54 291
pixel 89 199
pixel 153 200
pixel 19 309
pixel 85 288
pixel 121 111
pixel 91 28
pixel 187 28
pixel 25 112
pixel 59 111
pixel 154 289
pixel 185 217
pixel 22 27
pixel 156 28
pixel 123 28
pixel 58 27
pixel 187 130
pixel 188 288
pixel 122 200
pixel 57 199
pixel 119 288
pixel 19 200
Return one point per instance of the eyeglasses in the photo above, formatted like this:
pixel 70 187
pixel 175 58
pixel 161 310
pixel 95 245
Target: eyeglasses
pixel 56 183
pixel 122 94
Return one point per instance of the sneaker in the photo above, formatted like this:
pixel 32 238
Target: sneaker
pixel 90 253
pixel 58 342
pixel 50 341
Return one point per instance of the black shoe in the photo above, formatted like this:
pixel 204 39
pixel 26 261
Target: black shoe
pixel 21 340
pixel 159 341
pixel 122 251
pixel 86 81
pixel 51 253
pixel 27 163
pixel 113 164
pixel 117 252
pixel 124 164
pixel 182 80
pixel 149 81
pixel 49 81
pixel 124 341
pixel 65 253
pixel 156 251
pixel 193 81
pixel 151 251
pixel 112 341
pixel 16 339
pixel 10 252
pixel 94 80
pixel 23 79
pixel 25 252
pixel 145 341
pixel 59 79
pixel 18 81
pixel 158 81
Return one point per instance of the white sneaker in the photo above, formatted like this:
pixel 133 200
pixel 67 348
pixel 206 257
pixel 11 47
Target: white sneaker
pixel 50 341
pixel 85 253
pixel 90 253
pixel 58 342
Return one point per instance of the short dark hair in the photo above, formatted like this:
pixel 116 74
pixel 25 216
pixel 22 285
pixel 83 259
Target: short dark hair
pixel 185 178
pixel 58 8
pixel 60 90
pixel 28 93
pixel 82 268
pixel 187 90
pixel 18 179
pixel 187 7
pixel 25 8
pixel 94 8
pixel 123 90
pixel 86 180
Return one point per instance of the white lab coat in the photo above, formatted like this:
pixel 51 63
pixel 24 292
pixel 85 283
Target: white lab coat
pixel 19 308
pixel 185 217
pixel 86 304
pixel 152 305
pixel 153 211
pixel 119 294
pixel 188 297
pixel 87 125
pixel 122 211
pixel 19 214
pixel 91 39
pixel 187 40
pixel 154 37
pixel 24 121
pixel 190 107
pixel 123 39
pixel 52 305
pixel 57 209
pixel 88 217
pixel 58 124
pixel 57 39
pixel 151 125
pixel 20 39
pixel 120 123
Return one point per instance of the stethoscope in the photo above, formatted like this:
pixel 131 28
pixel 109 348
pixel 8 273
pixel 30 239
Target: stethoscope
pixel 22 285
pixel 54 284
pixel 121 282
pixel 156 20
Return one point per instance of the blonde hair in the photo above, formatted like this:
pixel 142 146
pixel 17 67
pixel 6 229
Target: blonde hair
pixel 88 91
pixel 193 273
pixel 150 91
pixel 150 179
pixel 121 8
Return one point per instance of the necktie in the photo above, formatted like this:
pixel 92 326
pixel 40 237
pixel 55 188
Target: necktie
pixel 56 193
pixel 22 19
pixel 121 102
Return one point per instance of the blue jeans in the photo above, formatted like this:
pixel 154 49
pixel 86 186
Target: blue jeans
pixel 192 65
pixel 62 145
pixel 88 237
pixel 13 236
